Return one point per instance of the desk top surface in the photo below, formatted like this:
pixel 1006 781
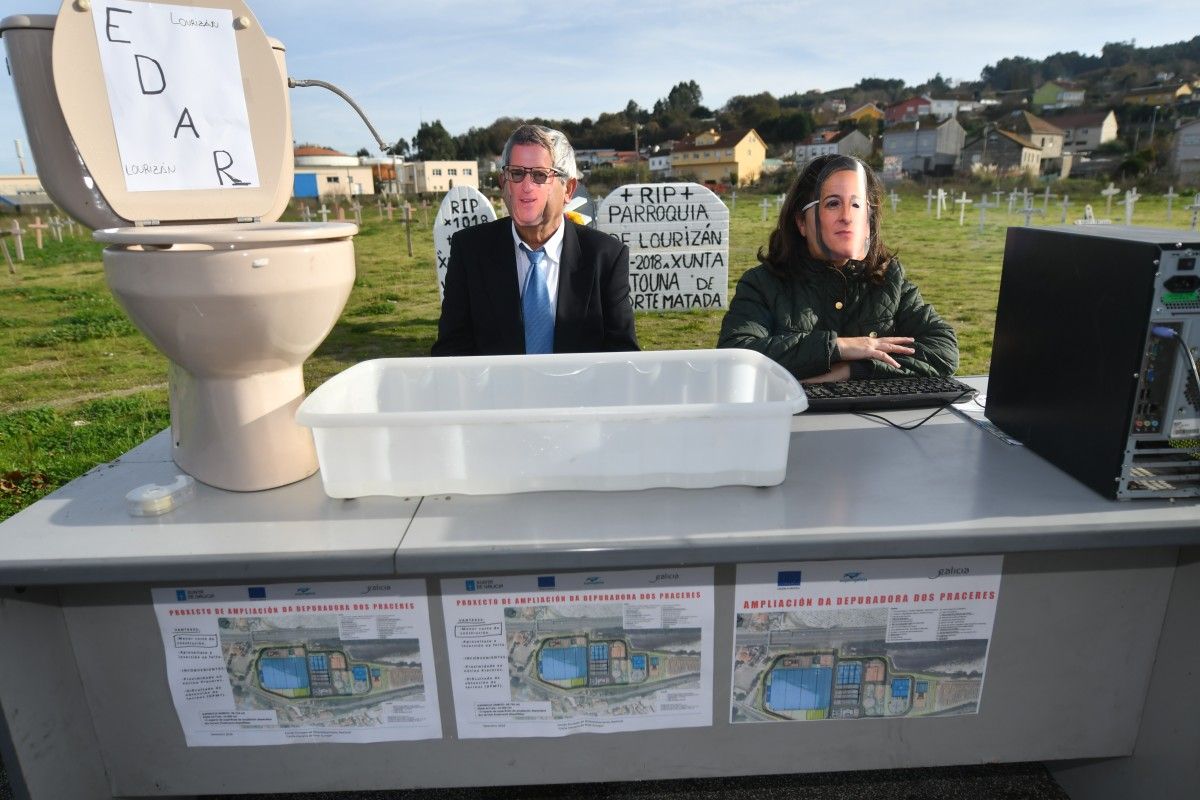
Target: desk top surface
pixel 854 489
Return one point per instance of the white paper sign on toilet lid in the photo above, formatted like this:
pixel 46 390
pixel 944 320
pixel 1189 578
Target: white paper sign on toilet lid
pixel 462 207
pixel 162 103
pixel 178 109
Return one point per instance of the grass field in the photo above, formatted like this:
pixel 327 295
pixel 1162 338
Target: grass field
pixel 79 385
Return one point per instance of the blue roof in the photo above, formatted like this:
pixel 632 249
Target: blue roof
pixel 800 689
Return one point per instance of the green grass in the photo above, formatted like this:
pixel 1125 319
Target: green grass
pixel 79 385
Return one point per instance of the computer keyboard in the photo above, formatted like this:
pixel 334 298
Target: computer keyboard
pixel 882 394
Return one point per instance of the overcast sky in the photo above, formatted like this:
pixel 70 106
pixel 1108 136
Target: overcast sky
pixel 468 62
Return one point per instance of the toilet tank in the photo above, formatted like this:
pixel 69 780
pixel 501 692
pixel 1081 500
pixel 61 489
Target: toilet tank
pixel 28 38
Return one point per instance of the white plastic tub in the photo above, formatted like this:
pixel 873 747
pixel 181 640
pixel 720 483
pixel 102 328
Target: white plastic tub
pixel 596 421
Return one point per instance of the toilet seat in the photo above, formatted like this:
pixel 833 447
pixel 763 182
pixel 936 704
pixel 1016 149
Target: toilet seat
pixel 229 235
pixel 84 99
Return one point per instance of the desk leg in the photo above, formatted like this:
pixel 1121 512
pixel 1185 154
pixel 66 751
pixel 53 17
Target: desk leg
pixel 1164 764
pixel 46 735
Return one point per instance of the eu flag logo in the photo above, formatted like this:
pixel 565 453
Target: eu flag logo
pixel 789 578
pixel 257 592
pixel 545 581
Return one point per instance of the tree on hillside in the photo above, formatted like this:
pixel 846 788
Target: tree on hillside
pixel 937 85
pixel 890 88
pixel 434 143
pixel 489 141
pixel 400 148
pixel 791 126
pixel 748 111
pixel 1012 73
pixel 809 99
pixel 684 97
pixel 635 113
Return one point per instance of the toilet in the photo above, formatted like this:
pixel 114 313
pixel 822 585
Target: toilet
pixel 233 298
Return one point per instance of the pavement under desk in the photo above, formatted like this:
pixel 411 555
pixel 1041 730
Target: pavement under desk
pixel 1091 666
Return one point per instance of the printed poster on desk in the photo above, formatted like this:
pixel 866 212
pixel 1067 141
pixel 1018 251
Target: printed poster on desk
pixel 563 653
pixel 871 639
pixel 288 663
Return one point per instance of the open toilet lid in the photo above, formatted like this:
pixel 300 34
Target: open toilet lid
pixel 178 109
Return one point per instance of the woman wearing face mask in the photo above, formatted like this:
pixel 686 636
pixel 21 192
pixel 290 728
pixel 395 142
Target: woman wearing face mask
pixel 829 302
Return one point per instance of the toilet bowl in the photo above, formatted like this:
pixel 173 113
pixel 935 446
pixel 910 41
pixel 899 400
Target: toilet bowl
pixel 235 300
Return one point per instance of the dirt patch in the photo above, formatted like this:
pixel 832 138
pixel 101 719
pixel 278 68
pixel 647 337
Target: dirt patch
pixel 81 398
pixel 21 369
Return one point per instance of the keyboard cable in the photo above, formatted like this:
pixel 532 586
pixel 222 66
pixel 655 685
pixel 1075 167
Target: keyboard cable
pixel 919 423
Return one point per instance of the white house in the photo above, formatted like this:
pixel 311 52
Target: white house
pixel 1085 131
pixel 925 147
pixel 420 177
pixel 850 142
pixel 1185 154
pixel 942 108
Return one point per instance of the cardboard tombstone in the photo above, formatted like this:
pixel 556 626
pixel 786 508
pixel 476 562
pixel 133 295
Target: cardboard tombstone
pixel 462 207
pixel 678 238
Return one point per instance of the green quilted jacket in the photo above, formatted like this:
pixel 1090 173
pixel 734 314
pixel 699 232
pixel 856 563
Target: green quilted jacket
pixel 796 320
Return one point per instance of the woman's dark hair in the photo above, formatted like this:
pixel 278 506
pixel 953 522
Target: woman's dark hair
pixel 787 247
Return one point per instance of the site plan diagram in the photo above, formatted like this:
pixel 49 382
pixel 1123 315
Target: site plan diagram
pixel 314 662
pixel 549 655
pixel 862 640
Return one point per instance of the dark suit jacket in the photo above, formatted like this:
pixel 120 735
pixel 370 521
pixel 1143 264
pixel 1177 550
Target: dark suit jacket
pixel 481 309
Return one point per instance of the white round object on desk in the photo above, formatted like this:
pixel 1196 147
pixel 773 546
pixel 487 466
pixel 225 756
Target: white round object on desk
pixel 152 499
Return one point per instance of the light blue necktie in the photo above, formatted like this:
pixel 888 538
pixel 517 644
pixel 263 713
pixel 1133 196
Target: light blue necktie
pixel 535 304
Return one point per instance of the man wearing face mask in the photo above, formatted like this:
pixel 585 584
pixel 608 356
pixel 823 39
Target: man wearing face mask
pixel 535 282
pixel 829 302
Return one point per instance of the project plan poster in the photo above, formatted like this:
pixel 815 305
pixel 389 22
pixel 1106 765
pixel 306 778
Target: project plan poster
pixel 871 639
pixel 562 653
pixel 312 662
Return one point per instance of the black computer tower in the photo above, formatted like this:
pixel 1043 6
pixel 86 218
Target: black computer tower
pixel 1093 358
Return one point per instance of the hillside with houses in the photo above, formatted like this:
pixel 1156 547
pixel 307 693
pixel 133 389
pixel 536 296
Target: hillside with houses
pixel 1126 112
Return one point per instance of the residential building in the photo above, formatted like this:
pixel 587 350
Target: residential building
pixel 735 157
pixel 321 172
pixel 1084 131
pixel 1044 135
pixel 627 158
pixel 819 144
pixel 1058 94
pixel 1163 95
pixel 593 157
pixel 1185 154
pixel 849 142
pixel 422 177
pixel 383 172
pixel 832 105
pixel 22 194
pixel 660 164
pixel 925 147
pixel 1003 153
pixel 909 110
pixel 868 111
pixel 943 108
pixel 772 165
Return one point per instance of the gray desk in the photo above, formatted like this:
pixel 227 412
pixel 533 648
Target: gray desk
pixel 1090 664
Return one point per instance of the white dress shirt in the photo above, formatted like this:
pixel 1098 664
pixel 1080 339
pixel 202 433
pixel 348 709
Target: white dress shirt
pixel 553 248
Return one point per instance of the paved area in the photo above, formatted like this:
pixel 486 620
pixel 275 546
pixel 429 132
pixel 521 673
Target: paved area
pixel 993 782
pixel 990 782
